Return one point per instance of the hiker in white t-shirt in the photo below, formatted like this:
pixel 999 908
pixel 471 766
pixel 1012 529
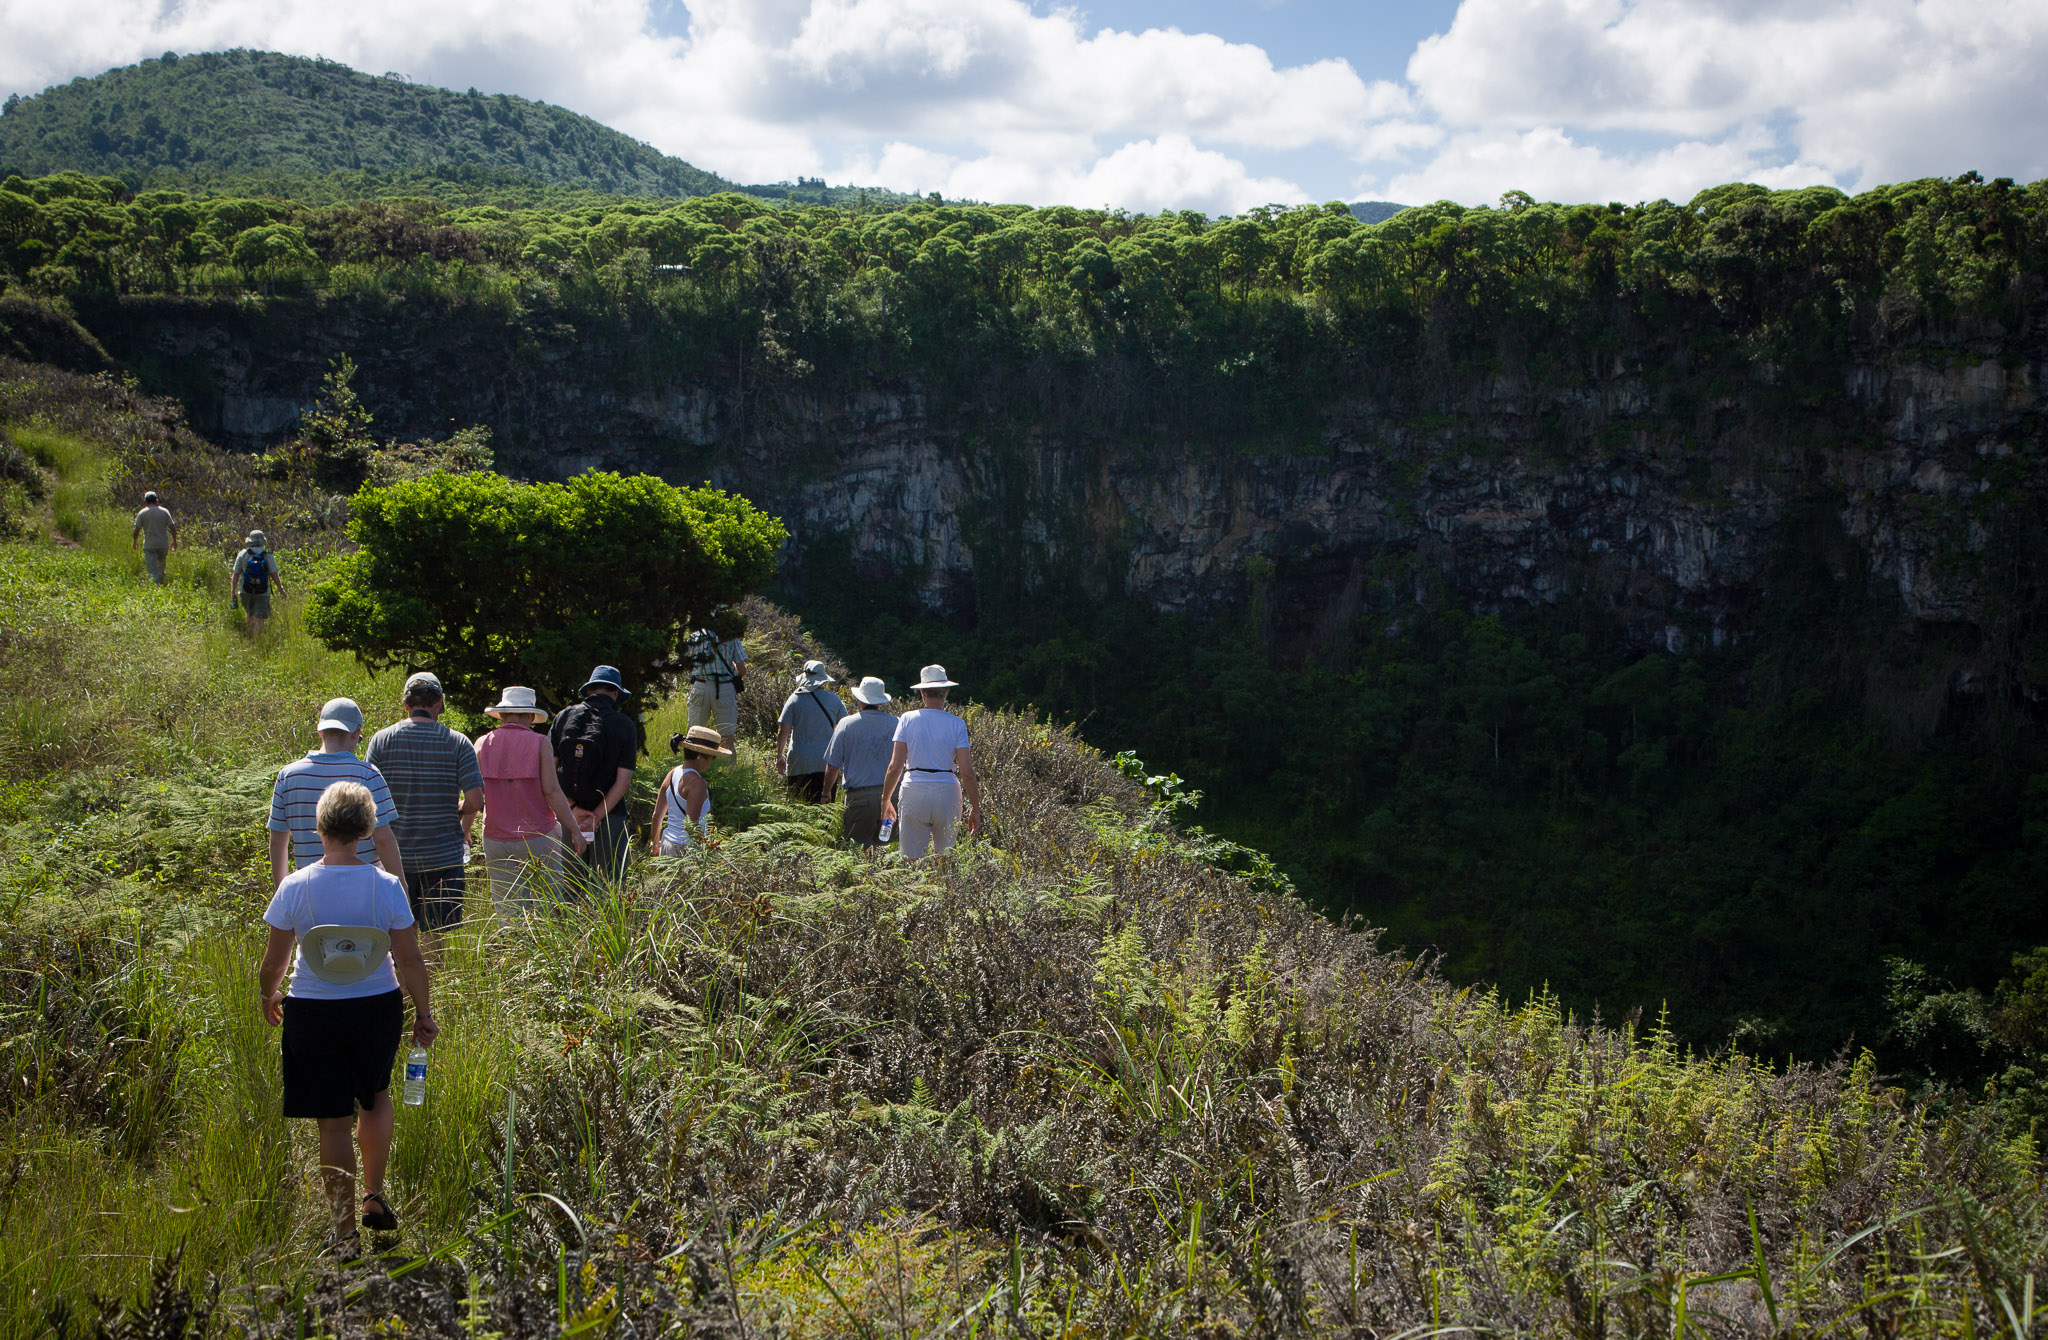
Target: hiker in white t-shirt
pixel 935 769
pixel 682 808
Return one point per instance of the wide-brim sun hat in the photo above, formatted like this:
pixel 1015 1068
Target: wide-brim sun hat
pixel 933 677
pixel 606 676
pixel 871 691
pixel 705 740
pixel 255 539
pixel 517 698
pixel 813 674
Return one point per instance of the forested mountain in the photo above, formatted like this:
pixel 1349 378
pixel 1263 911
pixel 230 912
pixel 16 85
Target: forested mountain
pixel 261 123
pixel 258 114
pixel 1651 602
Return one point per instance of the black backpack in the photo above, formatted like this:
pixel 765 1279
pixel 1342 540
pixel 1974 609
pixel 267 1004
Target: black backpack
pixel 581 754
pixel 256 574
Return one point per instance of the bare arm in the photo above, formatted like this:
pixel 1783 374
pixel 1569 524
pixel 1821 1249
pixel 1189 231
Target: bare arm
pixel 898 761
pixel 386 843
pixel 660 812
pixel 412 975
pixel 782 734
pixel 277 956
pixel 280 857
pixel 617 795
pixel 970 786
pixel 831 780
pixel 551 788
pixel 472 805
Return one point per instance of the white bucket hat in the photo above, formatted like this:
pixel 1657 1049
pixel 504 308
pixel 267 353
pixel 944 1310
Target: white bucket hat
pixel 933 677
pixel 813 675
pixel 516 698
pixel 343 954
pixel 872 692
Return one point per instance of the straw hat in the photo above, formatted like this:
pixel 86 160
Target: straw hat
pixel 702 740
pixel 516 698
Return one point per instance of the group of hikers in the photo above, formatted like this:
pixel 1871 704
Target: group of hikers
pixel 252 577
pixel 367 850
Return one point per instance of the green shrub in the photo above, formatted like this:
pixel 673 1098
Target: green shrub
pixel 492 582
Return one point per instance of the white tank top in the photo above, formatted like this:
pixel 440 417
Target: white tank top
pixel 675 825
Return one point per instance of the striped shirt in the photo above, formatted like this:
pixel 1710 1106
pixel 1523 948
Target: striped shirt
pixel 296 796
pixel 428 767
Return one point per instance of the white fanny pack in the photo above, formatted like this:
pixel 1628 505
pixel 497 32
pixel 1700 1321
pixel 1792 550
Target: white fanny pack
pixel 343 954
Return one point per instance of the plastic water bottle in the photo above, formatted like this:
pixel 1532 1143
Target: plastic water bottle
pixel 416 1077
pixel 888 833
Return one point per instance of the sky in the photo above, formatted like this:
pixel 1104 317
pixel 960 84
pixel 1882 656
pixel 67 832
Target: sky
pixel 1216 105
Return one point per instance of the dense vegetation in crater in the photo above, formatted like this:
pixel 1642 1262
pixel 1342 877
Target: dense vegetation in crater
pixel 1077 1080
pixel 1745 835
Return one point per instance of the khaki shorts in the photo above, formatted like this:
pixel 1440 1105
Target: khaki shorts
pixel 715 705
pixel 256 604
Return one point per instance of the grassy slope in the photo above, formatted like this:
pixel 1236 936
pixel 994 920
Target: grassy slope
pixel 1073 1082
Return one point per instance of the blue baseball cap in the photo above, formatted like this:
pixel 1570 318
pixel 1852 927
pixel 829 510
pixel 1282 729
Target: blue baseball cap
pixel 608 677
pixel 341 714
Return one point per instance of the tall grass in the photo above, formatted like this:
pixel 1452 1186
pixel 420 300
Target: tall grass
pixel 1073 1079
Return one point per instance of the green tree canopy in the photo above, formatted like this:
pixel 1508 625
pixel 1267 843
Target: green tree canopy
pixel 488 582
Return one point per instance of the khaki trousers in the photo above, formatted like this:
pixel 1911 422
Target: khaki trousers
pixel 525 875
pixel 153 562
pixel 927 814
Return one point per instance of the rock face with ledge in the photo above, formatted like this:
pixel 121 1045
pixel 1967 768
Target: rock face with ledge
pixel 1659 494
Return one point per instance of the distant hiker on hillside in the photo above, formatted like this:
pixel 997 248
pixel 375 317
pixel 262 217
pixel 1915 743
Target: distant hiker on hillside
pixel 355 943
pixel 156 534
pixel 295 798
pixel 527 819
pixel 437 790
pixel 683 805
pixel 255 574
pixel 860 750
pixel 808 719
pixel 932 762
pixel 717 678
pixel 595 745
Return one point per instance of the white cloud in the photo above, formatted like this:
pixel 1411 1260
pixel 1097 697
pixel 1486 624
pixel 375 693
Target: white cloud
pixel 1571 99
pixel 1859 91
pixel 1475 167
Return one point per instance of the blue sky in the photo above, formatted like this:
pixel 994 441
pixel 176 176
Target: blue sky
pixel 1208 104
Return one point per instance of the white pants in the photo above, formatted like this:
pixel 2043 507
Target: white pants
pixel 715 705
pixel 927 813
pixel 525 875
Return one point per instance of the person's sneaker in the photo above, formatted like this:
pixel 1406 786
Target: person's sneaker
pixel 377 1213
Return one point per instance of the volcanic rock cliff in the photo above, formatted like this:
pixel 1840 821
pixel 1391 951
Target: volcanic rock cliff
pixel 1628 477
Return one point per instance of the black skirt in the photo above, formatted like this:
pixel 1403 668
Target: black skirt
pixel 338 1053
